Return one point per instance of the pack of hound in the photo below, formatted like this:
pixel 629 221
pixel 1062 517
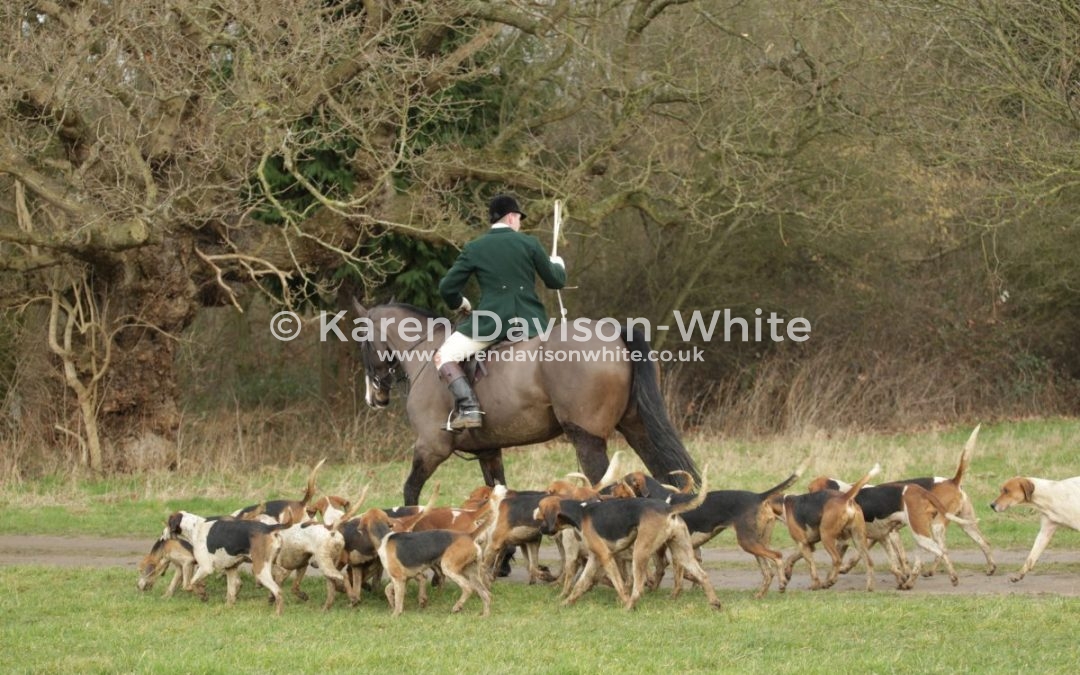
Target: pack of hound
pixel 622 532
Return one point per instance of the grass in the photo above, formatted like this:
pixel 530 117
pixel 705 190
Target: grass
pixel 93 620
pixel 138 505
pixel 100 624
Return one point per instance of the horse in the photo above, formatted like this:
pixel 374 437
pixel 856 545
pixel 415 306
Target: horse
pixel 582 383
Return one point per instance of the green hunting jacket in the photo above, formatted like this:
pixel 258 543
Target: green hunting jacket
pixel 506 264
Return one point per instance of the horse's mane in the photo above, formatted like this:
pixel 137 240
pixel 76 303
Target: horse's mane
pixel 422 311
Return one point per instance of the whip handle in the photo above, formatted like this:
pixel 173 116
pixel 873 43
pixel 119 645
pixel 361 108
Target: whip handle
pixel 558 226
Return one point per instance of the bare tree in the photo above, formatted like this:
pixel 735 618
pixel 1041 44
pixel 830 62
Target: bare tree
pixel 149 153
pixel 163 155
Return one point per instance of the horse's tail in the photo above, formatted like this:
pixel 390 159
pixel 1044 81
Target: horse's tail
pixel 664 452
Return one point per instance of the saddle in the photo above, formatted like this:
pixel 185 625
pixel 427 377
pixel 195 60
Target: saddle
pixel 466 412
pixel 476 370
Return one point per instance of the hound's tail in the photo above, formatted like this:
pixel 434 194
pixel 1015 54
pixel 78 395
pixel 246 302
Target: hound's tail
pixel 787 482
pixel 698 499
pixel 614 472
pixel 965 456
pixel 310 491
pixel 423 511
pixel 352 510
pixel 861 483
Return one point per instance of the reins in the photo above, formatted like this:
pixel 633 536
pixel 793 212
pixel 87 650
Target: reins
pixel 368 349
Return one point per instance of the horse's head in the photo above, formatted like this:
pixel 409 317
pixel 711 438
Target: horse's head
pixel 379 363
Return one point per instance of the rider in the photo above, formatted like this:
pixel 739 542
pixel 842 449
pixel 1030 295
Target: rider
pixel 506 263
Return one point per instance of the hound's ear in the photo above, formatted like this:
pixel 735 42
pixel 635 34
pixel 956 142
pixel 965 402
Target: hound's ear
pixel 1027 487
pixel 358 308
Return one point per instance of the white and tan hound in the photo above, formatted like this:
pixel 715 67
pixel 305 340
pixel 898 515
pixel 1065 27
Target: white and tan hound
pixel 1058 501
pixel 225 544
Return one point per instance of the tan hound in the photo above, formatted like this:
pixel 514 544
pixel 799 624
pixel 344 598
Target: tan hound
pixel 829 517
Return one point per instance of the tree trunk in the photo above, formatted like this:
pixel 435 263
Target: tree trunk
pixel 151 300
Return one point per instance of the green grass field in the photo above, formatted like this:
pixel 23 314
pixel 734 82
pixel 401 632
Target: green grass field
pixel 93 620
pixel 72 620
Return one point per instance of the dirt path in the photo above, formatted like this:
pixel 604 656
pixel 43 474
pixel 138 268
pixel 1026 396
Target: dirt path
pixel 729 569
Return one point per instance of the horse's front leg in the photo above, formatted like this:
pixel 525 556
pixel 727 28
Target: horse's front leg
pixel 426 458
pixel 491 464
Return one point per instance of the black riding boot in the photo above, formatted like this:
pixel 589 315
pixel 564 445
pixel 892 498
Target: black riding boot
pixel 467 413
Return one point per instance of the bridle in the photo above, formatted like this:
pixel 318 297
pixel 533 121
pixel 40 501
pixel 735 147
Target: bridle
pixel 381 381
pixel 386 380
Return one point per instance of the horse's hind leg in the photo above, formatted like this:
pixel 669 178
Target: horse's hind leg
pixel 591 451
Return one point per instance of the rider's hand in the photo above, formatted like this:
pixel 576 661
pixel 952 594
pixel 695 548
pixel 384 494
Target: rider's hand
pixel 465 307
pixel 557 260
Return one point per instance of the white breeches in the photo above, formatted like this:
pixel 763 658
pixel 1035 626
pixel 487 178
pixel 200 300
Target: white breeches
pixel 458 347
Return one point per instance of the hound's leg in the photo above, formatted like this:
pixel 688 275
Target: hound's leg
pixel 182 573
pixel 789 566
pixel 971 529
pixel 683 558
pixel 395 593
pixel 232 585
pixel 1046 533
pixel 296 584
pixel 585 581
pixel 264 573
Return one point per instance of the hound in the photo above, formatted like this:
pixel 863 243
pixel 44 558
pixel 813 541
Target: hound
pixel 514 524
pixel 313 543
pixel 887 508
pixel 360 557
pixel 751 516
pixel 328 509
pixel 829 517
pixel 283 511
pixel 643 526
pixel 475 513
pixel 227 543
pixel 958 506
pixel 1058 502
pixel 408 555
pixel 572 552
pixel 648 487
pixel 167 551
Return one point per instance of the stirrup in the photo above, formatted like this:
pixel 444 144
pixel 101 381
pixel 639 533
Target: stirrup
pixel 450 420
